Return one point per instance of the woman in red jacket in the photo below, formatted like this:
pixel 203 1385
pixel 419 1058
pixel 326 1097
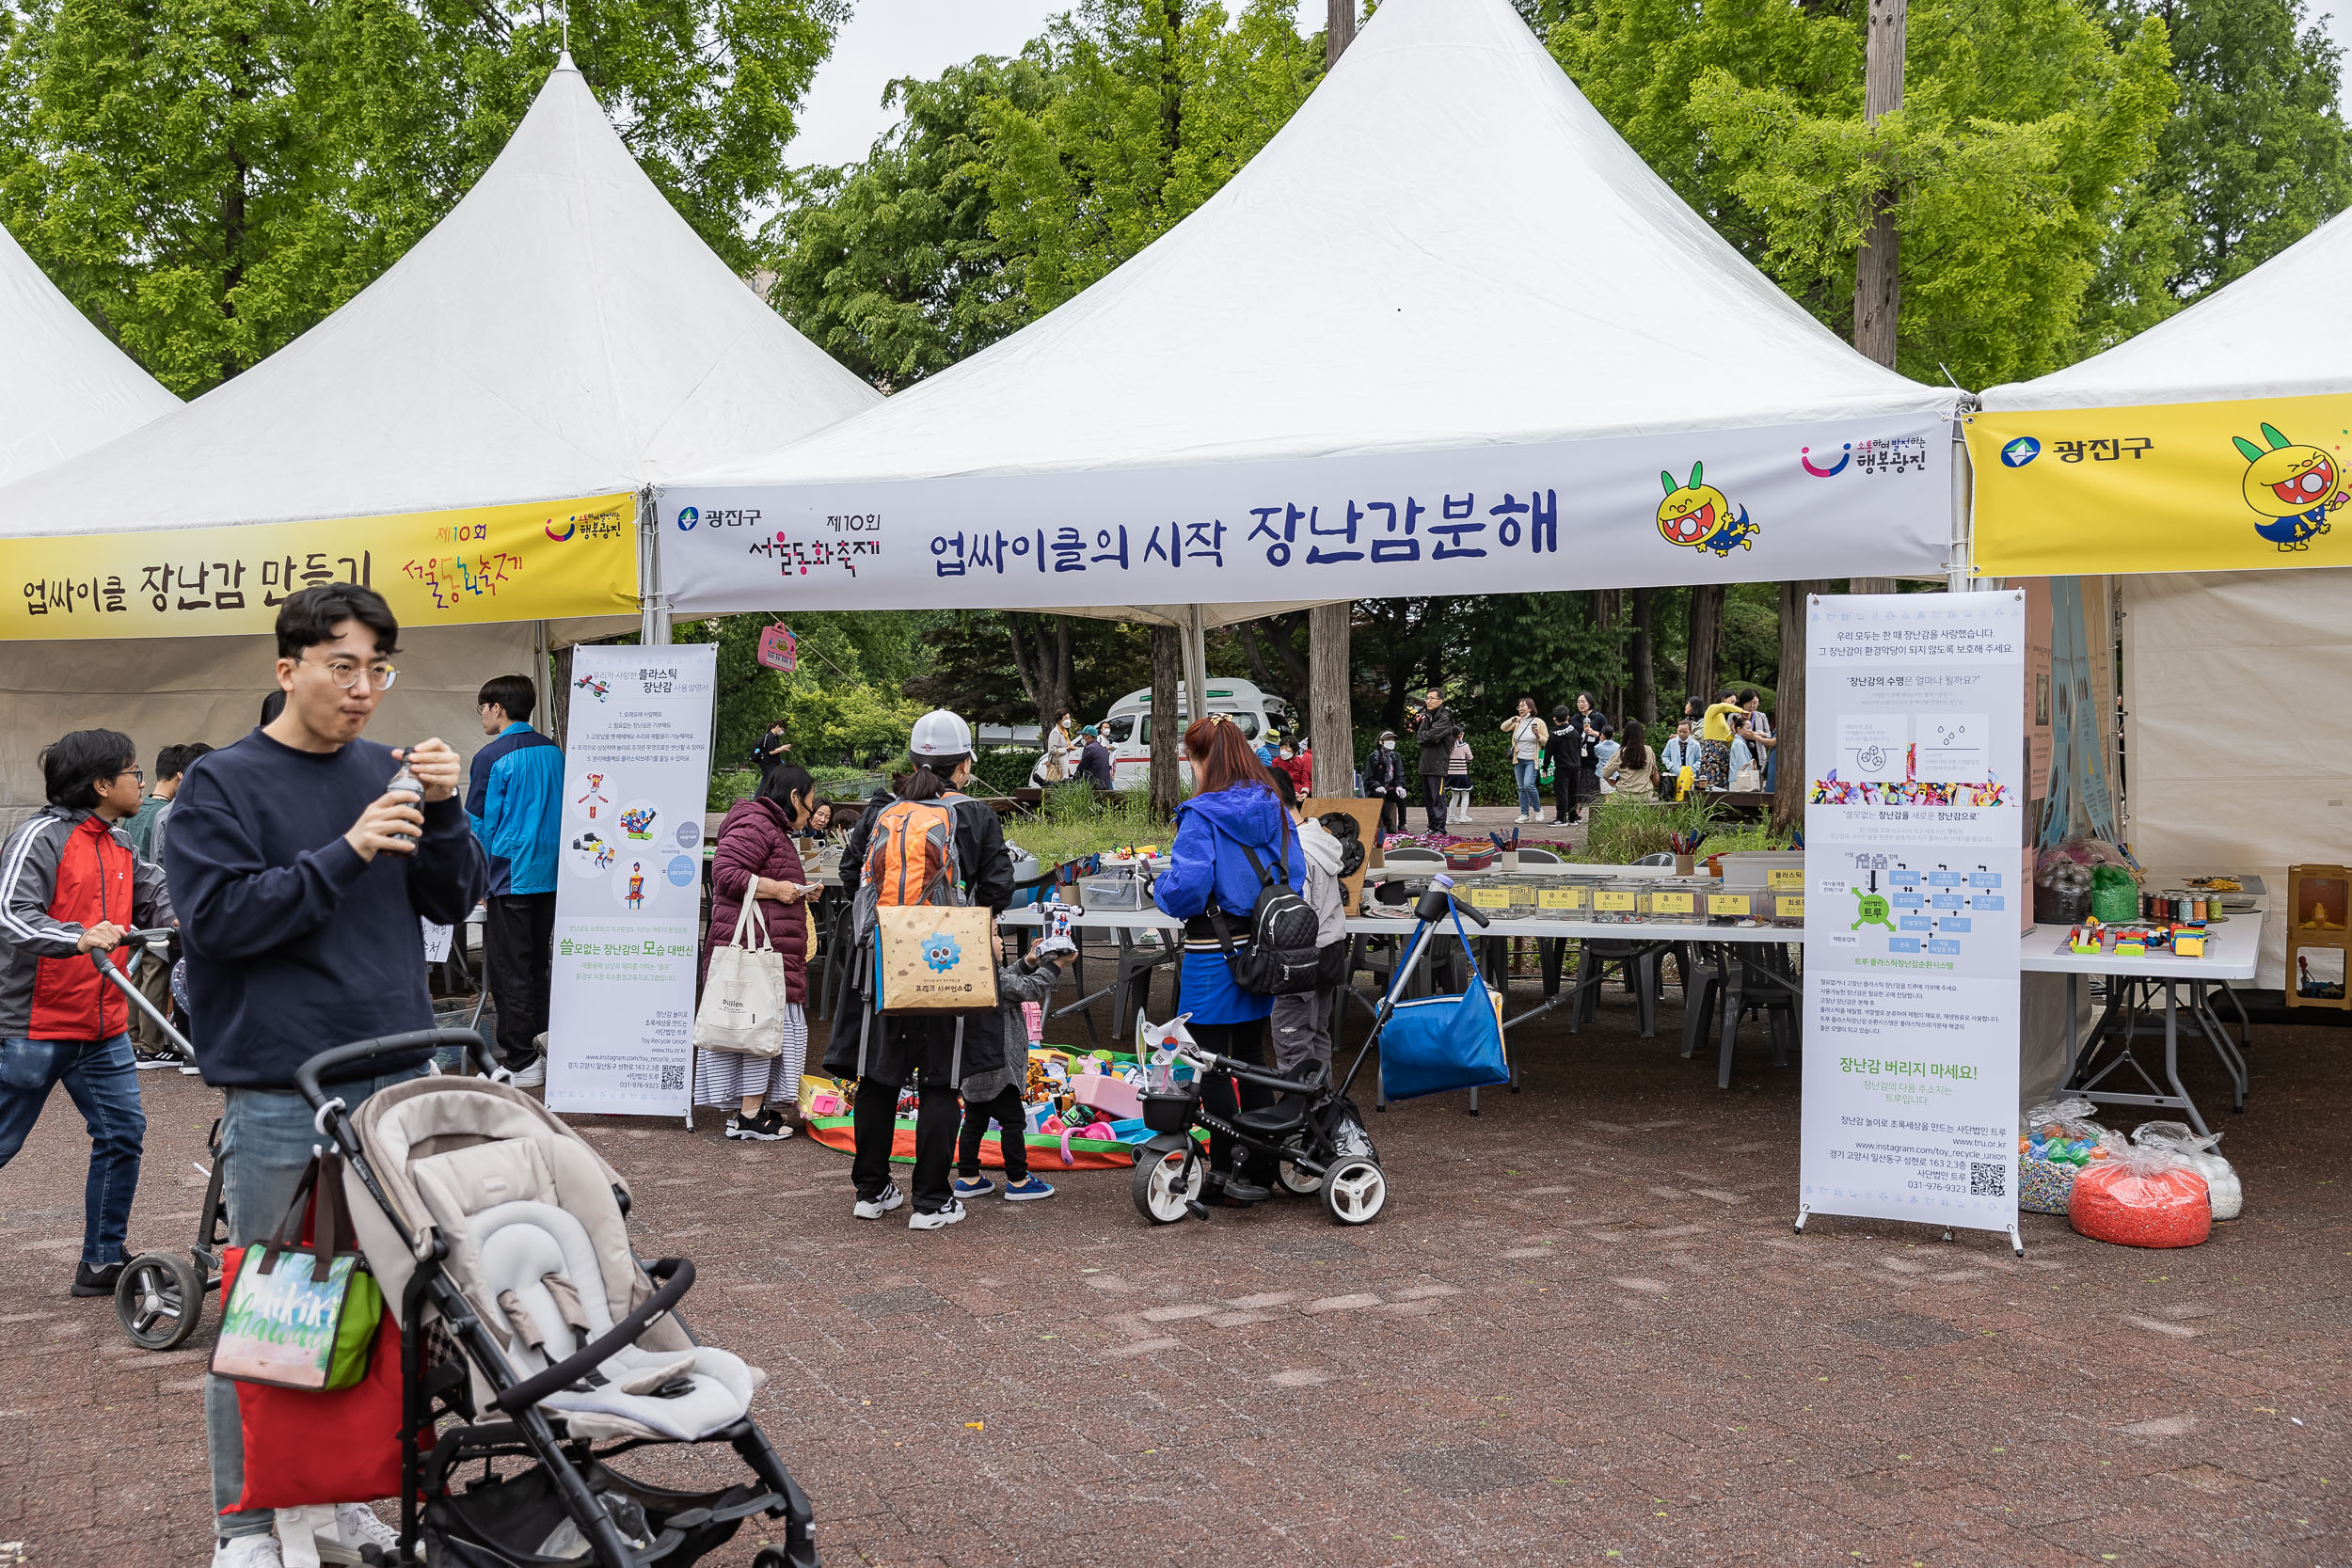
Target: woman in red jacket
pixel 754 858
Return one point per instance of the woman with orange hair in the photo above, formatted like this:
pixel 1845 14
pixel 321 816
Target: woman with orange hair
pixel 1234 814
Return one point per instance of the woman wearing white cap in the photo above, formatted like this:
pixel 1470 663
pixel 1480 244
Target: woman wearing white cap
pixel 923 1048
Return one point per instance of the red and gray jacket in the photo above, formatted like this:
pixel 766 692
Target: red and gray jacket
pixel 60 873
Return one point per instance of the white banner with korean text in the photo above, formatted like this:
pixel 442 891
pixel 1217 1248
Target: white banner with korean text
pixel 1746 505
pixel 628 905
pixel 1915 732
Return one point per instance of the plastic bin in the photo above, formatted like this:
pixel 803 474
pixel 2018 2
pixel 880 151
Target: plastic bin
pixel 1111 892
pixel 1753 868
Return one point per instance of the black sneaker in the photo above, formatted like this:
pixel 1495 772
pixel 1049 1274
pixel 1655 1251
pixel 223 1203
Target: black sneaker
pixel 99 1281
pixel 765 1128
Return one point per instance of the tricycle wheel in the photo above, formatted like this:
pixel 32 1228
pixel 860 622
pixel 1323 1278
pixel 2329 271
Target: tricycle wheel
pixel 1164 1189
pixel 160 1299
pixel 1293 1180
pixel 1354 1191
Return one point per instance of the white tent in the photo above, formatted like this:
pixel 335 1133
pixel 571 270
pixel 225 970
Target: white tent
pixel 1444 334
pixel 64 386
pixel 563 333
pixel 2213 663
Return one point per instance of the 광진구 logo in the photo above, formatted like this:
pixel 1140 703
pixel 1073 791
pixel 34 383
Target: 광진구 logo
pixel 2017 453
pixel 687 518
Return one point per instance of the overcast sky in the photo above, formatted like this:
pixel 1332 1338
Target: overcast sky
pixel 889 38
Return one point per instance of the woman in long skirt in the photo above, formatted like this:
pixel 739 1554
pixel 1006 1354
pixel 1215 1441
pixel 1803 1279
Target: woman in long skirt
pixel 755 859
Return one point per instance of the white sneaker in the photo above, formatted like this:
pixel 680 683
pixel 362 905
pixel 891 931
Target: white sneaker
pixel 533 1077
pixel 951 1212
pixel 358 1527
pixel 875 1208
pixel 1520 817
pixel 248 1551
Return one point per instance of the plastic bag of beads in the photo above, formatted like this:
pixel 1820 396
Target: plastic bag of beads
pixel 2197 1151
pixel 2141 1196
pixel 2057 1141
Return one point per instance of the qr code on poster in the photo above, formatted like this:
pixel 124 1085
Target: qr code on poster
pixel 1987 1179
pixel 674 1075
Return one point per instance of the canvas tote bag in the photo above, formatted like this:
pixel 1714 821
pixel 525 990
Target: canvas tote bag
pixel 744 998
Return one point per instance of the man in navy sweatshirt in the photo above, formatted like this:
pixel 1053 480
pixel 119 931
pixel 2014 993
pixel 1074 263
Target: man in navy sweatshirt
pixel 299 879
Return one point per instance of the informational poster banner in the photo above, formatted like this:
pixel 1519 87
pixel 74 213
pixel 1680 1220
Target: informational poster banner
pixel 543 561
pixel 1742 505
pixel 1913 824
pixel 629 906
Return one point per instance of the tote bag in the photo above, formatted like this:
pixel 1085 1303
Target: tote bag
pixel 303 1315
pixel 935 958
pixel 743 999
pixel 1440 1043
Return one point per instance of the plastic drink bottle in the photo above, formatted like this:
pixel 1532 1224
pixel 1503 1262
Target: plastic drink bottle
pixel 406 783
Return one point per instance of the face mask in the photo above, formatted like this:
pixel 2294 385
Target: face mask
pixel 1388 745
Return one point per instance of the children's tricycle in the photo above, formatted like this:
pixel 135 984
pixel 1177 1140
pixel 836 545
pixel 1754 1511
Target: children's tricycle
pixel 1310 1129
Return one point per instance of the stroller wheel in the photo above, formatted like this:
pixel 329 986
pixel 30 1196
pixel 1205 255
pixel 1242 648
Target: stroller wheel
pixel 159 1299
pixel 1163 1193
pixel 1354 1191
pixel 1295 1181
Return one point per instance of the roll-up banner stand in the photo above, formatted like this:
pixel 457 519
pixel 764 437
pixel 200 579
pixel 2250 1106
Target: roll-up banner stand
pixel 629 906
pixel 1912 827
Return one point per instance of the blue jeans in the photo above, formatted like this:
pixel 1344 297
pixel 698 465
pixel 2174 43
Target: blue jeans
pixel 1530 798
pixel 265 1141
pixel 104 1084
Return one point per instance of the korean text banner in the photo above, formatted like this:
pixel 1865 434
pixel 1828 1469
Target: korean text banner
pixel 2162 488
pixel 628 896
pixel 1739 505
pixel 545 560
pixel 1915 740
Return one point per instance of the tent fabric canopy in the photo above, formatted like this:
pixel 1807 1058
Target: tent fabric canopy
pixel 562 333
pixel 2282 330
pixel 1446 276
pixel 64 386
pixel 1445 245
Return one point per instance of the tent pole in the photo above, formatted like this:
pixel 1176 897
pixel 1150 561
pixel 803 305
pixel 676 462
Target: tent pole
pixel 1196 632
pixel 1957 565
pixel 652 621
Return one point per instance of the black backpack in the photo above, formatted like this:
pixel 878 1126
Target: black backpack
pixel 1281 959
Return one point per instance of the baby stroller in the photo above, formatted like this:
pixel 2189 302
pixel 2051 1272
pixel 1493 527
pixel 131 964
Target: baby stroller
pixel 1311 1130
pixel 500 1238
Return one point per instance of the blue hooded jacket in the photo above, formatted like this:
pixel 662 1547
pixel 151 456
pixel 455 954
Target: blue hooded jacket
pixel 1206 859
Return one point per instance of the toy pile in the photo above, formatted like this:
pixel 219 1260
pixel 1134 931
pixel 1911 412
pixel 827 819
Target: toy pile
pixel 2162 1187
pixel 2058 1144
pixel 1084 1110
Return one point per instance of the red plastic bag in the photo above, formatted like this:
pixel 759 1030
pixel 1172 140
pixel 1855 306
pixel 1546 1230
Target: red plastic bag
pixel 334 1448
pixel 2135 1204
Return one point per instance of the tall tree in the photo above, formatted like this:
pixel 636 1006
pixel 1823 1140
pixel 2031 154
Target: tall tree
pixel 1644 669
pixel 2256 154
pixel 1040 656
pixel 2016 166
pixel 1167 780
pixel 209 178
pixel 1700 676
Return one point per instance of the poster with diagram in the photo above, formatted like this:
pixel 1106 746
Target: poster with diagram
pixel 628 897
pixel 1914 738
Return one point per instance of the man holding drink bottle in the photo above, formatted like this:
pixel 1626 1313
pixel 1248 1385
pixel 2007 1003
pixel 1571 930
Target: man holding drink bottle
pixel 300 874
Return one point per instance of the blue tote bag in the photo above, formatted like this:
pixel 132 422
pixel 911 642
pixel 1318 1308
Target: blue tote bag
pixel 1440 1043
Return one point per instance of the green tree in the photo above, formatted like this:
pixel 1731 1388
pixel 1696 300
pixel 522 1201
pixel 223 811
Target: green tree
pixel 2255 155
pixel 2019 161
pixel 210 177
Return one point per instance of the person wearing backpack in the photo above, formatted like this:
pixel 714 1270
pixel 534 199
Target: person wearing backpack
pixel 931 844
pixel 1234 877
pixel 1302 1020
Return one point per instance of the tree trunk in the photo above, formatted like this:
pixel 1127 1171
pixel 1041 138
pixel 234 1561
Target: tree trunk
pixel 1644 669
pixel 1608 603
pixel 1168 657
pixel 1329 723
pixel 1706 632
pixel 560 696
pixel 1878 291
pixel 1788 789
pixel 1031 669
pixel 1339 32
pixel 1872 585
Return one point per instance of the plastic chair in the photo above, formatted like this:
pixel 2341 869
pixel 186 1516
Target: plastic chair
pixel 1416 854
pixel 1540 857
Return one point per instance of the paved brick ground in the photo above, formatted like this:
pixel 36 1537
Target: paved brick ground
pixel 1583 1334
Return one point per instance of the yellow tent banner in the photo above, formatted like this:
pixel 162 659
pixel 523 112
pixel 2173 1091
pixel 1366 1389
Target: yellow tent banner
pixel 545 560
pixel 2165 487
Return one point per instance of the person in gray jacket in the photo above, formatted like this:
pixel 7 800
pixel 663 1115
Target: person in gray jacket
pixel 995 1095
pixel 1302 1022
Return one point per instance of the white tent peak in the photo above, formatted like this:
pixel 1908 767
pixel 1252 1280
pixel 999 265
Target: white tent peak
pixel 1446 245
pixel 64 386
pixel 563 62
pixel 563 332
pixel 2282 330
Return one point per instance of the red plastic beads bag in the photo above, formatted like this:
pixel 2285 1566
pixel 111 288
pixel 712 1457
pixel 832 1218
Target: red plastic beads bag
pixel 2134 1203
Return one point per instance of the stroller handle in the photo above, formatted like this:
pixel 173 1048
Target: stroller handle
pixel 679 1274
pixel 311 1074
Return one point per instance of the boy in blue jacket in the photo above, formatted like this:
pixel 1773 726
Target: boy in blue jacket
pixel 516 799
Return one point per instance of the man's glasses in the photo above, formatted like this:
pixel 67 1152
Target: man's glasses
pixel 137 773
pixel 345 673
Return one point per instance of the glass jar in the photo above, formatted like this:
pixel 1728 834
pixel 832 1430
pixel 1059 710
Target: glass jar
pixel 1618 901
pixel 1731 906
pixel 1565 898
pixel 1781 908
pixel 1679 901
